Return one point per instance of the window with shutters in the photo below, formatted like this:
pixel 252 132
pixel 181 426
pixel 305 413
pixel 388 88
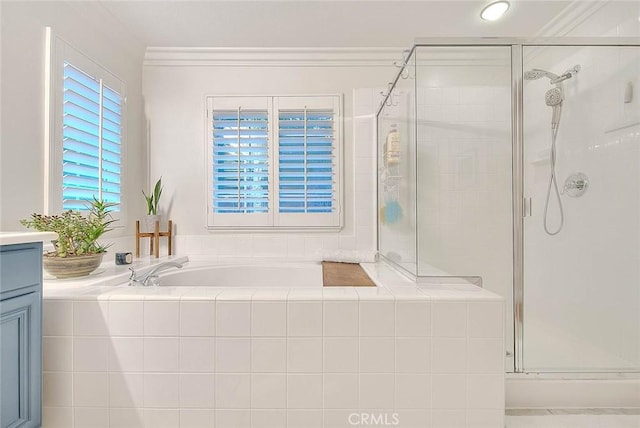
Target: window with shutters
pixel 86 132
pixel 274 162
pixel 91 140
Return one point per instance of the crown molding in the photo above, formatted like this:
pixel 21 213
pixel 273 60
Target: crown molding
pixel 571 17
pixel 271 57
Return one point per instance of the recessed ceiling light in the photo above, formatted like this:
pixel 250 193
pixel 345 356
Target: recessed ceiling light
pixel 495 10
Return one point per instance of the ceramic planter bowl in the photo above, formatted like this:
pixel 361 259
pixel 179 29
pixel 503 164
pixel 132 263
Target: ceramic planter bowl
pixel 71 267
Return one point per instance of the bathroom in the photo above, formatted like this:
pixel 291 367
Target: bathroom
pixel 456 213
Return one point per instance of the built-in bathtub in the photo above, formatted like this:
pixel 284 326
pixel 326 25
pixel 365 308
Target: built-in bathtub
pixel 280 354
pixel 254 275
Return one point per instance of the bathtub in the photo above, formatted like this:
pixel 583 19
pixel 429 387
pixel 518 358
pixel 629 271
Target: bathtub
pixel 297 275
pixel 283 357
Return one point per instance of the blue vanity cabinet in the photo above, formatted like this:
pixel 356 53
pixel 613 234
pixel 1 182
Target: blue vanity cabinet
pixel 21 335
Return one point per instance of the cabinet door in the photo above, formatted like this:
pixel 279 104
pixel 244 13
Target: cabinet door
pixel 20 362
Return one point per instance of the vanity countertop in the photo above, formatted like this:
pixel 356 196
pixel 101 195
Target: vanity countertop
pixel 10 238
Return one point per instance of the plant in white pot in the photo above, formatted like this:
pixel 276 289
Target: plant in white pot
pixel 76 251
pixel 153 200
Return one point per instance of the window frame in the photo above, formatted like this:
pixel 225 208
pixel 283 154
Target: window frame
pixel 277 222
pixel 58 52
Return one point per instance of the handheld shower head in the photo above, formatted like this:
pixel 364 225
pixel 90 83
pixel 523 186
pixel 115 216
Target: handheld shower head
pixel 553 98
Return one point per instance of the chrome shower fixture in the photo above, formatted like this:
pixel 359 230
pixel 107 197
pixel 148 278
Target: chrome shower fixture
pixel 536 73
pixel 553 98
pixel 569 73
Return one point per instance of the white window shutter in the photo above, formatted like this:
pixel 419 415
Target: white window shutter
pixel 308 161
pixel 274 162
pixel 91 140
pixel 239 193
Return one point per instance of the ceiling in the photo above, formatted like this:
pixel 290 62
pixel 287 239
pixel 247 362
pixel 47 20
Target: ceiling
pixel 318 23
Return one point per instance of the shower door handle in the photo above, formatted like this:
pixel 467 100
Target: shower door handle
pixel 526 207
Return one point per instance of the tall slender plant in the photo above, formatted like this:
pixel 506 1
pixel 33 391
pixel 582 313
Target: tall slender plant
pixel 153 199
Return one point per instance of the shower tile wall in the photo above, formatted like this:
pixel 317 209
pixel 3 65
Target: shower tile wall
pixel 465 180
pixel 464 186
pixel 591 266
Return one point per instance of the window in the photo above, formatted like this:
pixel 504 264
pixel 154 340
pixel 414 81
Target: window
pixel 91 140
pixel 85 130
pixel 274 162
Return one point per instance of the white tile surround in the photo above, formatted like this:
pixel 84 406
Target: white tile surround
pixel 220 357
pixel 174 97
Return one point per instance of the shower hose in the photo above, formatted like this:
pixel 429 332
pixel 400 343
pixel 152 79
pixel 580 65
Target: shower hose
pixel 552 180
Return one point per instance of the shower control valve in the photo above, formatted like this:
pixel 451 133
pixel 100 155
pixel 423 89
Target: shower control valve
pixel 576 185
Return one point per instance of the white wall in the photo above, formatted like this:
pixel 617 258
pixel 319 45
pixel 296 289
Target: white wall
pixel 90 29
pixel 175 97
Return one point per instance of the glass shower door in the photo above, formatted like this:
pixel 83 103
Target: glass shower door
pixel 582 184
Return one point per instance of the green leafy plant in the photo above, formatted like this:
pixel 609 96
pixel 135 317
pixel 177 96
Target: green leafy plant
pixel 153 199
pixel 77 234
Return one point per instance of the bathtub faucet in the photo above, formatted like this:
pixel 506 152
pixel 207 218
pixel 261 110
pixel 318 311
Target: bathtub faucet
pixel 151 277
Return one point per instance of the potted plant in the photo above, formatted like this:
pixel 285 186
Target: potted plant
pixel 153 199
pixel 76 251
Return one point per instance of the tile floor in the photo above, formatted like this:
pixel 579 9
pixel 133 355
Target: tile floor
pixel 582 418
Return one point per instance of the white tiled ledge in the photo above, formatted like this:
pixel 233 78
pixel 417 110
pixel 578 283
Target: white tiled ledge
pixel 111 284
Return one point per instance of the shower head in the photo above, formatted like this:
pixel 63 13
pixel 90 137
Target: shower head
pixel 536 73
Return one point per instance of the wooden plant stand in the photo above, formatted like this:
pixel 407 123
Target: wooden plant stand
pixel 154 242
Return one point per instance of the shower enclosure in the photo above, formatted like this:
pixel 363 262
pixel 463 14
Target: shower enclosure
pixel 474 137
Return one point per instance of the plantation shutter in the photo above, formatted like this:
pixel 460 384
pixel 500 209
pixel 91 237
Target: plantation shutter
pixel 92 140
pixel 239 148
pixel 274 162
pixel 308 161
